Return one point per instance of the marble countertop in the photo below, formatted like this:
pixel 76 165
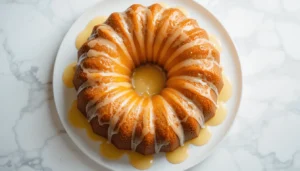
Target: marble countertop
pixel 265 136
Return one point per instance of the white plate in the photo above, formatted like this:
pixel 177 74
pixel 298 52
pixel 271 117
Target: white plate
pixel 64 96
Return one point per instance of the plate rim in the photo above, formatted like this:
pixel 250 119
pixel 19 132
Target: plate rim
pixel 239 84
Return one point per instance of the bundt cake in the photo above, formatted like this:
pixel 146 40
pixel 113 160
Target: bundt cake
pixel 142 35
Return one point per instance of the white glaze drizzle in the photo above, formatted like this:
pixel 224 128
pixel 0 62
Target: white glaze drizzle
pixel 127 27
pixel 176 33
pixel 80 59
pixel 150 49
pixel 173 121
pixel 204 63
pixel 199 80
pixel 186 46
pixel 91 75
pixel 103 42
pixel 192 110
pixel 161 35
pixel 134 114
pixel 151 36
pixel 107 100
pixel 108 86
pixel 115 118
pixel 116 38
pixel 158 146
pixel 91 103
pixel 94 53
pixel 141 18
pixel 204 90
pixel 134 140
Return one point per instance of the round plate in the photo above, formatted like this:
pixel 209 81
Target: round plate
pixel 64 96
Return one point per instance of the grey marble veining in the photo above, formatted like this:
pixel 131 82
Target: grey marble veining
pixel 265 136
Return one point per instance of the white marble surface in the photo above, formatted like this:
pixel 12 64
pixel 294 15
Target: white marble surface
pixel 265 136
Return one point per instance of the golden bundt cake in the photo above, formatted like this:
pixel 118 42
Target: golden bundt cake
pixel 141 35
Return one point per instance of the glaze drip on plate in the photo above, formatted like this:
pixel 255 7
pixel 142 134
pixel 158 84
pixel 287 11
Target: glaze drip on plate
pixel 83 35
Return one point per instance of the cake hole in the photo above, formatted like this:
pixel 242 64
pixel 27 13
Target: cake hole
pixel 148 79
